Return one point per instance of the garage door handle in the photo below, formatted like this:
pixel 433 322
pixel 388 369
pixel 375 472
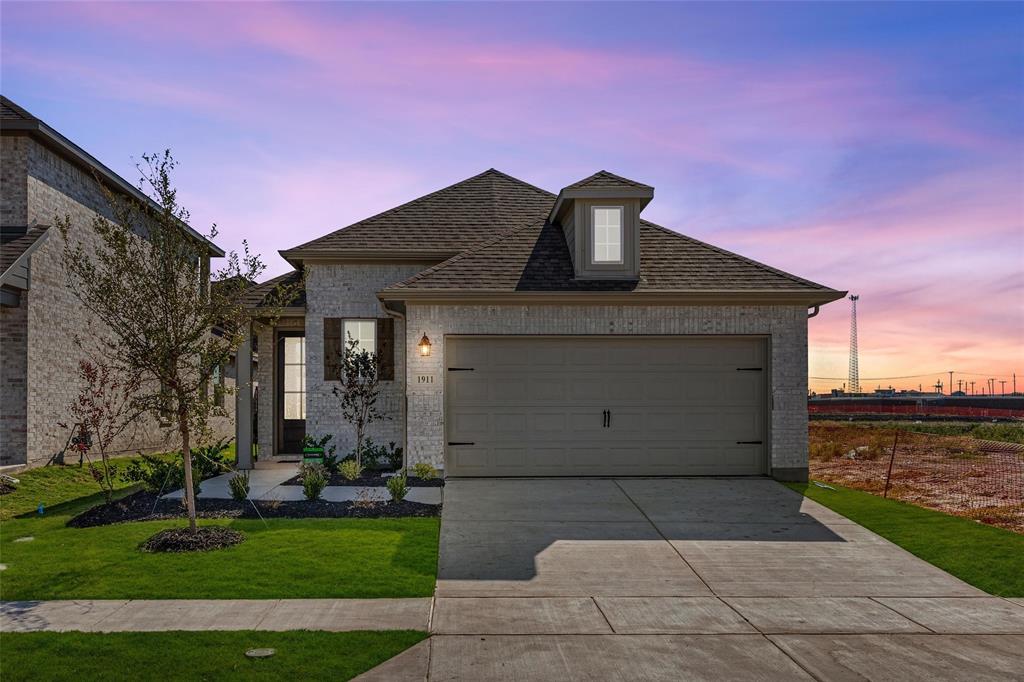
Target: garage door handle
pixel 460 443
pixel 749 442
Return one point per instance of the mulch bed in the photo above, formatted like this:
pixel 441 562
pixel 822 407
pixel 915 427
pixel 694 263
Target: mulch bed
pixel 6 487
pixel 145 506
pixel 374 479
pixel 184 540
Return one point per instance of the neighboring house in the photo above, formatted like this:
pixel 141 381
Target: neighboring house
pixel 45 175
pixel 523 333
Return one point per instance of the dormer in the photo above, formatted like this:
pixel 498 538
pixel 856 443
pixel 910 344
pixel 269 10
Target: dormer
pixel 600 217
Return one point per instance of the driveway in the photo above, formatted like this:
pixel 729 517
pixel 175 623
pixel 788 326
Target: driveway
pixel 692 579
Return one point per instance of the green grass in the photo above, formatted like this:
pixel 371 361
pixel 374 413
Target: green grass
pixel 166 656
pixel 991 559
pixel 280 558
pixel 53 485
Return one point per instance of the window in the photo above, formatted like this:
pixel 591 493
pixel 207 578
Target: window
pixel 363 331
pixel 294 377
pixel 607 241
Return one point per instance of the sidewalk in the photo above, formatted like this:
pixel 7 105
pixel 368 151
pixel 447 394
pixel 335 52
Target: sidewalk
pixel 153 615
pixel 266 479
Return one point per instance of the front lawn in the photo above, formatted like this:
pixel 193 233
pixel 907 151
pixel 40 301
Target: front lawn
pixel 281 558
pixel 53 485
pixel 302 655
pixel 991 559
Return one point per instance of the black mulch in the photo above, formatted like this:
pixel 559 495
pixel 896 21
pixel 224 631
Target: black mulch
pixel 203 539
pixel 144 506
pixel 374 478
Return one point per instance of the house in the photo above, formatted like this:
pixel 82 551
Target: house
pixel 525 333
pixel 45 175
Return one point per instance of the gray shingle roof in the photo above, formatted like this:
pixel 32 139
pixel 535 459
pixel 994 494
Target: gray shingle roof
pixel 256 296
pixel 447 221
pixel 603 179
pixel 536 258
pixel 12 249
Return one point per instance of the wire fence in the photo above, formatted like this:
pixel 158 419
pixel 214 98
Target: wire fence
pixel 979 479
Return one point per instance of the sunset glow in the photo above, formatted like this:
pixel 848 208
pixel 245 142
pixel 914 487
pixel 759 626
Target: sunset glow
pixel 874 148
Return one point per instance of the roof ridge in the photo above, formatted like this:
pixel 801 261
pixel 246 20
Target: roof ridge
pixel 731 254
pixel 464 254
pixel 407 204
pixel 524 183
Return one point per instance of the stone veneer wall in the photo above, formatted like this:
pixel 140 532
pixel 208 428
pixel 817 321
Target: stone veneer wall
pixel 785 325
pixel 54 187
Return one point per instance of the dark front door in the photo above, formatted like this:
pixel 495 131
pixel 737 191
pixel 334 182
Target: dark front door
pixel 291 392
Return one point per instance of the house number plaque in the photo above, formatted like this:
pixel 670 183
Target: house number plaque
pixel 424 378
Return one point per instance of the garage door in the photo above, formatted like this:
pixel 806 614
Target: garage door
pixel 605 406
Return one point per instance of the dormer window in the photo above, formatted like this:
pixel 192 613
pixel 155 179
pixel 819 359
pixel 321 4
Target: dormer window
pixel 607 234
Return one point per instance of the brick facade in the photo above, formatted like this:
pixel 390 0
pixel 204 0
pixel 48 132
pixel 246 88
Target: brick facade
pixel 785 326
pixel 39 186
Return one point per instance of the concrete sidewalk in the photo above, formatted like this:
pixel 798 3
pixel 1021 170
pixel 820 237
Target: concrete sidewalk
pixel 153 615
pixel 265 483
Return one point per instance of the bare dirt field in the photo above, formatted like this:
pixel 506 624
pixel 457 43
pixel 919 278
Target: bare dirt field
pixel 961 475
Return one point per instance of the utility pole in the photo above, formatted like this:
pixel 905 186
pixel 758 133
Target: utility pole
pixel 972 388
pixel 1002 387
pixel 951 382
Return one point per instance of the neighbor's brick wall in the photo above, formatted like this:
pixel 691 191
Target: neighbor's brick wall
pixel 13 398
pixel 350 291
pixel 13 185
pixel 54 187
pixel 786 326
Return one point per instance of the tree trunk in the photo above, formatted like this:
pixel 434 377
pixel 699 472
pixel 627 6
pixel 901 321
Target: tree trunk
pixel 108 485
pixel 186 453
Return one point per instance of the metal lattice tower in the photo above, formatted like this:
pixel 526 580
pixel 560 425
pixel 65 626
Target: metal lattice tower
pixel 854 370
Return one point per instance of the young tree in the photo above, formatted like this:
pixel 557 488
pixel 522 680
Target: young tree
pixel 146 279
pixel 358 390
pixel 104 409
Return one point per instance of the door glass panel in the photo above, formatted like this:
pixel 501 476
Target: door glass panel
pixel 294 380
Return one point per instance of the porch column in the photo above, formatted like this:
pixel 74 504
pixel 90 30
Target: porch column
pixel 243 401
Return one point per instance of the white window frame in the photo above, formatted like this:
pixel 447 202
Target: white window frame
pixel 593 235
pixel 372 338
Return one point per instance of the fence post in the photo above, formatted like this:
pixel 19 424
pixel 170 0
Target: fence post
pixel 892 457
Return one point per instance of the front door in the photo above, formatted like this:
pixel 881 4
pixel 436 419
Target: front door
pixel 291 392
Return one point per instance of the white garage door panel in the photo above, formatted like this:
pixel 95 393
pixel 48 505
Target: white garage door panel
pixel 521 406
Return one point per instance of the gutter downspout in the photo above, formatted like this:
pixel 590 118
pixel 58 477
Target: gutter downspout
pixel 814 311
pixel 405 384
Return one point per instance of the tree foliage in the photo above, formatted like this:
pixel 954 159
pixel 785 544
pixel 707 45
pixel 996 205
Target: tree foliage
pixel 358 390
pixel 146 279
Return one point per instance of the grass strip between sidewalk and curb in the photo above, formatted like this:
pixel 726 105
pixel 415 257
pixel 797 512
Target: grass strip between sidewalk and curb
pixel 989 558
pixel 169 656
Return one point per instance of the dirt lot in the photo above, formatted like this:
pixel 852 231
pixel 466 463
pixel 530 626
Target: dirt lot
pixel 979 479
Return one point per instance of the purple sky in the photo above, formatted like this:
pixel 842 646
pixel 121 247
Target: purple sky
pixel 876 148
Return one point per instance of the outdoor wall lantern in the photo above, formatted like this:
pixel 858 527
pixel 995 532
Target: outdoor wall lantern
pixel 424 346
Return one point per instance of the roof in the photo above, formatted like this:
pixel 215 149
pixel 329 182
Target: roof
pixel 15 250
pixel 536 258
pixel 256 296
pixel 437 225
pixel 15 120
pixel 603 179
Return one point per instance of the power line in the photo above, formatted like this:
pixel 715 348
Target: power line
pixel 912 376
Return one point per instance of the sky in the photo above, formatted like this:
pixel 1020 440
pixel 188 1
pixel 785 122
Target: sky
pixel 876 148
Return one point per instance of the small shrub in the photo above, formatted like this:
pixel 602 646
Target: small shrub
pixel 381 457
pixel 398 487
pixel 314 480
pixel 424 471
pixel 394 456
pixel 239 485
pixel 160 474
pixel 350 469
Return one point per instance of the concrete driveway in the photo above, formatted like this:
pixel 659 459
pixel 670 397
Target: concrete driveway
pixel 692 579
